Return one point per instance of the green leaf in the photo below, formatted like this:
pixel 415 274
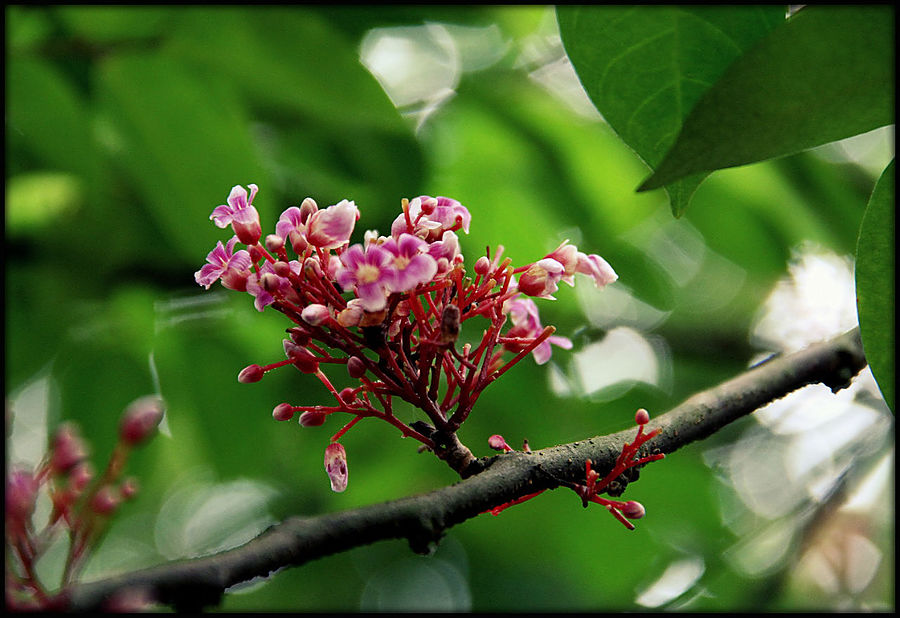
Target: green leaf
pixel 875 283
pixel 825 75
pixel 646 67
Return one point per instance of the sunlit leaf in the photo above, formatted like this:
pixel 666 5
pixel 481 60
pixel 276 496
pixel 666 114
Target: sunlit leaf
pixel 826 74
pixel 645 68
pixel 875 284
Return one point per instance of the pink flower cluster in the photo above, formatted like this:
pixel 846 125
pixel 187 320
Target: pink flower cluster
pixel 81 504
pixel 391 309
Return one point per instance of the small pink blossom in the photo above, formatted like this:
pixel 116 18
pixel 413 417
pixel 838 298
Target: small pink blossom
pixel 368 272
pixel 336 466
pixel 431 217
pixel 527 324
pixel 574 261
pixel 542 278
pixel 241 214
pixel 331 228
pixel 410 266
pixel 267 285
pixel 291 228
pixel 225 264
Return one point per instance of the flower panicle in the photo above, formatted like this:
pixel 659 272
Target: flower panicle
pixel 81 504
pixel 391 309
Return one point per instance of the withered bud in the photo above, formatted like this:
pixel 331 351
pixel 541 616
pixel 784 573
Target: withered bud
pixel 450 323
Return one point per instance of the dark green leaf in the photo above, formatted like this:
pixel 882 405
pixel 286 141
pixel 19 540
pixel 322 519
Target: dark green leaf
pixel 645 68
pixel 826 74
pixel 875 284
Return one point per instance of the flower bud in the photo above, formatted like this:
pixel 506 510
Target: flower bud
pixel 21 493
pixel 633 510
pixel 129 488
pixel 105 501
pixel 68 449
pixel 347 395
pixel 311 418
pixel 356 367
pixel 336 466
pixel 542 278
pixel 315 314
pixel 302 358
pixel 298 335
pixel 281 268
pixel 251 373
pixel 482 265
pixel 642 417
pixel 283 412
pixel 274 243
pixel 140 420
pixel 80 476
pixel 497 443
pixel 307 207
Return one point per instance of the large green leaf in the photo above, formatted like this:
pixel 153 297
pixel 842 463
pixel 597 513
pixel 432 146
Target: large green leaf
pixel 875 283
pixel 826 74
pixel 646 67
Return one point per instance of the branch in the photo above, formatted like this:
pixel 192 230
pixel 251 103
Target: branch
pixel 190 585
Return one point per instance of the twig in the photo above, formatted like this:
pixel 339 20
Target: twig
pixel 190 585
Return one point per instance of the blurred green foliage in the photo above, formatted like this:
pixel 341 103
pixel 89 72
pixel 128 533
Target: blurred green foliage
pixel 126 126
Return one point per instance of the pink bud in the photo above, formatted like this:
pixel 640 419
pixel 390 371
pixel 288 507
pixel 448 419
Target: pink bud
pixel 68 448
pixel 311 418
pixel 251 373
pixel 356 367
pixel 497 443
pixel 315 314
pixel 642 417
pixel 541 278
pixel 336 466
pixel 633 510
pixel 21 492
pixel 331 228
pixel 129 488
pixel 307 207
pixel 482 265
pixel 105 501
pixel 347 395
pixel 80 476
pixel 302 358
pixel 141 419
pixel 298 335
pixel 283 412
pixel 274 242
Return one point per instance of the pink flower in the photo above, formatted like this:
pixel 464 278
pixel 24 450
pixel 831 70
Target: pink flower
pixel 541 278
pixel 368 272
pixel 291 228
pixel 331 228
pixel 431 217
pixel 574 261
pixel 527 324
pixel 336 466
pixel 597 268
pixel 233 268
pixel 267 285
pixel 240 213
pixel 410 265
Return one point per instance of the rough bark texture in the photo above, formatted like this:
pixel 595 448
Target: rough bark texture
pixel 190 585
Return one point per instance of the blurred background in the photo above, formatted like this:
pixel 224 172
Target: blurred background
pixel 126 126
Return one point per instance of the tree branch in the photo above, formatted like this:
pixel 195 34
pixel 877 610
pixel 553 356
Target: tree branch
pixel 190 585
